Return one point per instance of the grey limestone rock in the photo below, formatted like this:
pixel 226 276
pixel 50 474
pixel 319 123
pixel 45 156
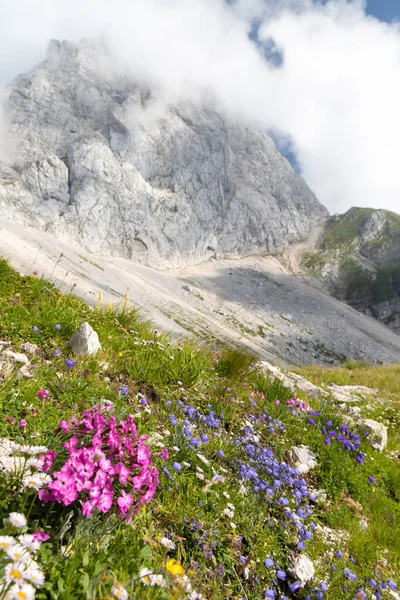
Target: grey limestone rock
pixel 306 459
pixel 378 432
pixel 99 165
pixel 302 569
pixel 85 340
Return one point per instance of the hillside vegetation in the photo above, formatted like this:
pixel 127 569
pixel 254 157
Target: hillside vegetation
pixel 162 470
pixel 358 259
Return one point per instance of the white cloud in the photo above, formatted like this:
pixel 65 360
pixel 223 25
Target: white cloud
pixel 337 95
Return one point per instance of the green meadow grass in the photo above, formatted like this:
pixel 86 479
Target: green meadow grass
pixel 86 556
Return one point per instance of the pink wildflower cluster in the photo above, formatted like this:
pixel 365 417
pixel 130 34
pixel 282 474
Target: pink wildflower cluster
pixel 108 466
pixel 294 403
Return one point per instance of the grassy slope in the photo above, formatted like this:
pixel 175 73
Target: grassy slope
pixel 357 284
pixel 85 556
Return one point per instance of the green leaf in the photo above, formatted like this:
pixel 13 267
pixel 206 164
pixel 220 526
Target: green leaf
pixel 85 581
pixel 60 585
pixel 99 567
pixel 146 552
pixel 85 558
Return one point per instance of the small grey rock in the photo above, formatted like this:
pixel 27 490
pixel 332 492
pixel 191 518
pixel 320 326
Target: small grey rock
pixel 15 357
pixel 29 348
pixel 306 459
pixel 302 569
pixel 378 432
pixel 85 340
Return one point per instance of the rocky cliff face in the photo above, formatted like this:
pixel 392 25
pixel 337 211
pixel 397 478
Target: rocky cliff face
pixel 357 258
pixel 99 164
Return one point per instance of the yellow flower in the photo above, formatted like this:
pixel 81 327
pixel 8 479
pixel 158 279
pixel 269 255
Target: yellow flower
pixel 120 353
pixel 174 567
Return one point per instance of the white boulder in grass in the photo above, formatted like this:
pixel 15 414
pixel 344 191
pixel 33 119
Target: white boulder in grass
pixel 306 459
pixel 85 340
pixel 302 569
pixel 378 433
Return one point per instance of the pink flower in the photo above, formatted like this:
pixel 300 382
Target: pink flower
pixel 105 501
pixel 10 420
pixel 124 502
pixel 164 454
pixel 43 394
pixel 123 473
pixel 22 423
pixel 277 402
pixel 41 536
pixel 88 507
pixel 46 496
pixel 71 444
pixel 64 426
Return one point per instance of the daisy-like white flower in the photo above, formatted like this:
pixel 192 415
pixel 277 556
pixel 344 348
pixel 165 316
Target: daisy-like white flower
pixel 158 579
pixel 232 525
pixel 33 482
pixel 195 596
pixel 119 592
pixel 28 541
pixel 33 450
pixel 44 478
pixel 14 572
pixel 226 495
pixel 35 576
pixel 22 592
pixel 167 543
pixel 17 519
pixel 145 575
pixel 184 581
pixel 34 463
pixel 6 541
pixel 18 553
pixel 228 513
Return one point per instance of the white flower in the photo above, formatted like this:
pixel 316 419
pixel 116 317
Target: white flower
pixel 186 464
pixel 200 476
pixel 157 579
pixel 195 596
pixel 144 575
pixel 167 543
pixel 18 553
pixel 175 448
pixel 29 542
pixel 44 478
pixel 119 592
pixel 17 519
pixel 33 482
pixel 232 525
pixel 226 495
pixel 231 506
pixel 35 576
pixel 35 463
pixel 6 541
pixel 223 470
pixel 199 469
pixel 228 513
pixel 14 572
pixel 22 592
pixel 185 582
pixel 33 450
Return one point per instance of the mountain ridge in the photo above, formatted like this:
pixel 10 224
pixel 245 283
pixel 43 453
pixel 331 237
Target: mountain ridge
pixel 100 164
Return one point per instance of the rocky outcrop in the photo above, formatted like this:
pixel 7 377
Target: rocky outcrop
pixel 100 163
pixel 357 259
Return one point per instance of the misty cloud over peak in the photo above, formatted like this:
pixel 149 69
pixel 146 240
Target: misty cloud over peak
pixel 333 97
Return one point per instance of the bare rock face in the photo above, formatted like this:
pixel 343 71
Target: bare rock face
pixel 85 340
pixel 99 165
